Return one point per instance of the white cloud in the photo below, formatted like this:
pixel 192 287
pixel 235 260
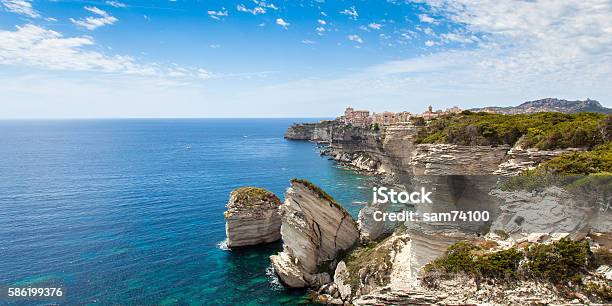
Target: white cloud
pixel 266 5
pixel 255 11
pixel 308 42
pixel 429 31
pixel 23 7
pixel 322 22
pixel 355 38
pixel 430 43
pixel 33 46
pixel 282 22
pixel 426 18
pixel 116 4
pixel 91 23
pixel 218 14
pixel 351 12
pixel 375 26
pixel 458 38
pixel 320 29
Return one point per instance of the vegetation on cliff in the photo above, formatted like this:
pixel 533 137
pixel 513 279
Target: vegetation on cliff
pixel 545 131
pixel 250 196
pixel 320 192
pixel 598 160
pixel 562 263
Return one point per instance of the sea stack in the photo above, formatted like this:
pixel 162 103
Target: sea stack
pixel 315 230
pixel 252 217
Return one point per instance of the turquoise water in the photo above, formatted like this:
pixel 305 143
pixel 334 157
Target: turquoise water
pixel 131 211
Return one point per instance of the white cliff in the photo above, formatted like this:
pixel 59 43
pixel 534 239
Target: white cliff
pixel 315 229
pixel 252 217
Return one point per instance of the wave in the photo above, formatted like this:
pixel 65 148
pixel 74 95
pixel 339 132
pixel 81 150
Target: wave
pixel 223 245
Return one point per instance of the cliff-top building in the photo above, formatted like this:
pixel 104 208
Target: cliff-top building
pixel 360 118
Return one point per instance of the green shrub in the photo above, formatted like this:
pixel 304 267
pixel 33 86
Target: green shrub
pixel 549 130
pixel 463 257
pixel 596 161
pixel 559 262
pixel 458 258
pixel 501 264
pixel 562 261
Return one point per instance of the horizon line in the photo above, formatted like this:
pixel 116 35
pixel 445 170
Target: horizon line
pixel 152 118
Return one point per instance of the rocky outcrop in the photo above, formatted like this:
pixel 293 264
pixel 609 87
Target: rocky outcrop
pixel 450 159
pixel 318 131
pixel 300 131
pixel 369 228
pixel 315 229
pixel 252 217
pixel 369 267
pixel 519 159
pixel 359 161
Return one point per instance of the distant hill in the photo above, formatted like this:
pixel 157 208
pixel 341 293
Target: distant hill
pixel 549 105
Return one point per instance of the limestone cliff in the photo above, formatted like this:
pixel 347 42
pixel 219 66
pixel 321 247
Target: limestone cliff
pixel 315 229
pixel 300 131
pixel 319 131
pixel 252 217
pixel 449 159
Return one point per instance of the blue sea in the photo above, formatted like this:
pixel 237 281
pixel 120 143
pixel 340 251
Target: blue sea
pixel 131 211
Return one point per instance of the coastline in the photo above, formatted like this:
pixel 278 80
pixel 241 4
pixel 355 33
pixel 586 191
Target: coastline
pixel 477 173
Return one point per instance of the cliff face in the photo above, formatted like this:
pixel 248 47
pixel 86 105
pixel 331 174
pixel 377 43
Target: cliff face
pixel 392 150
pixel 252 217
pixel 519 159
pixel 314 230
pixel 319 131
pixel 448 159
pixel 300 131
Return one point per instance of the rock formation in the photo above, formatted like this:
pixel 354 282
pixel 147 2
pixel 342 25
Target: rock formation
pixel 319 131
pixel 519 159
pixel 252 217
pixel 450 159
pixel 315 230
pixel 369 228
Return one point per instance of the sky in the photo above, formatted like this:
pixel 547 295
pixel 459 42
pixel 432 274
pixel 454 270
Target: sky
pixel 298 58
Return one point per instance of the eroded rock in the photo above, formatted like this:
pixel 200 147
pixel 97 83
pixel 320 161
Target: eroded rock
pixel 315 229
pixel 252 217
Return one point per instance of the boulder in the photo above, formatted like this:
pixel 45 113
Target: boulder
pixel 315 229
pixel 341 280
pixel 369 228
pixel 252 217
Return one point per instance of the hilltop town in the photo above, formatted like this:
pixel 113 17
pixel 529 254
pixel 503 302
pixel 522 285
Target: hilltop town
pixel 363 118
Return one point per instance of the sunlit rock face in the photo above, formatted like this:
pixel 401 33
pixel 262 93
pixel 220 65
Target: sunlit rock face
pixel 300 131
pixel 519 159
pixel 252 217
pixel 319 131
pixel 315 229
pixel 449 159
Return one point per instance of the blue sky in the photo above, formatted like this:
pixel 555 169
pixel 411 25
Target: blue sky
pixel 90 59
